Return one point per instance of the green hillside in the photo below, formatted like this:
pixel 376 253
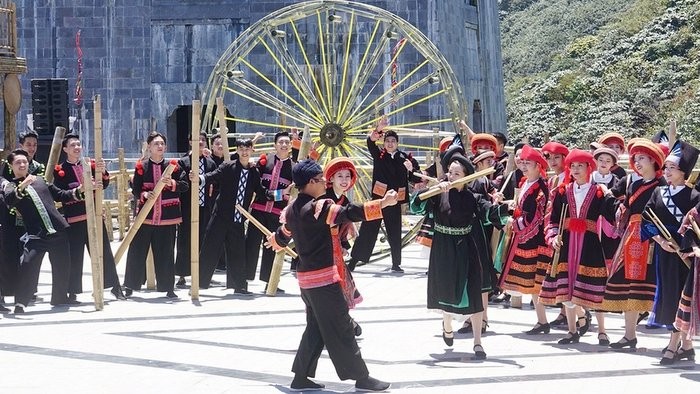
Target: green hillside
pixel 576 69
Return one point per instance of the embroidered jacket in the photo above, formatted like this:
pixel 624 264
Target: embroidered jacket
pixel 275 176
pixel 69 176
pixel 166 210
pixel 227 177
pixel 389 172
pixel 36 204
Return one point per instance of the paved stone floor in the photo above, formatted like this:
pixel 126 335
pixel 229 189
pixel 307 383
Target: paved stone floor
pixel 236 344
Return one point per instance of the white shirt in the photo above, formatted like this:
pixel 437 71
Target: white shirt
pixel 599 178
pixel 525 188
pixel 580 192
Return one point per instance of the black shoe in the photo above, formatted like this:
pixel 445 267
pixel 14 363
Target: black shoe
pixel 479 353
pixel 582 329
pixel 503 297
pixel 397 269
pixel 539 328
pixel 559 321
pixel 242 292
pixel 352 263
pixel 448 337
pixel 4 309
pixel 181 283
pixel 371 384
pixel 128 292
pixel 685 354
pixel 357 330
pixel 302 383
pixel 171 295
pixel 642 316
pixel 624 342
pixel 118 293
pixel 279 291
pixel 72 297
pixel 668 360
pixel 18 310
pixel 73 302
pixel 466 327
pixel 573 337
pixel 603 339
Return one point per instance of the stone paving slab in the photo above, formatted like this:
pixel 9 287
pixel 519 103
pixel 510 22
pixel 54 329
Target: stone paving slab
pixel 227 343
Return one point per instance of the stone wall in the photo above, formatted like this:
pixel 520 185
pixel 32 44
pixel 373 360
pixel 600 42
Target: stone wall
pixel 148 57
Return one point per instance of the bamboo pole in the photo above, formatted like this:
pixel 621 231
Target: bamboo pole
pixel 123 202
pixel 223 128
pixel 560 234
pixel 108 220
pixel 666 234
pixel 194 206
pixel 262 228
pixel 97 285
pixel 435 190
pixel 671 133
pixel 141 217
pixel 54 153
pixel 99 197
pixel 150 271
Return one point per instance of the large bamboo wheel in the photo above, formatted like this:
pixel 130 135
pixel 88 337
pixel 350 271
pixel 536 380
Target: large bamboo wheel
pixel 335 67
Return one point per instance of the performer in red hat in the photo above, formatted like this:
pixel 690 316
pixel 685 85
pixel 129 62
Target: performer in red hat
pixel 632 282
pixel 577 277
pixel 616 142
pixel 526 262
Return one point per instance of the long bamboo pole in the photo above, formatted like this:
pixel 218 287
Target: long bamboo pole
pixel 54 153
pixel 194 198
pixel 97 286
pixel 122 185
pixel 99 198
pixel 141 217
pixel 435 190
pixel 223 128
pixel 262 228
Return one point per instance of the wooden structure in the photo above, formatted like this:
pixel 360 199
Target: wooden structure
pixel 11 67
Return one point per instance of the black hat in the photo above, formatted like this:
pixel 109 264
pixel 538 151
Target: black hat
pixel 660 138
pixel 466 163
pixel 304 171
pixel 456 147
pixel 684 155
pixel 518 146
pixel 501 137
pixel 391 133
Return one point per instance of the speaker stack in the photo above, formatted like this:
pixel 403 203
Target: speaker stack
pixel 49 105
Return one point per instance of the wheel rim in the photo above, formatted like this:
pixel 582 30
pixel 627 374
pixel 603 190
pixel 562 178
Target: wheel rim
pixel 333 67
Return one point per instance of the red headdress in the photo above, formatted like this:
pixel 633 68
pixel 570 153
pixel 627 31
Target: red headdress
pixel 341 163
pixel 555 148
pixel 654 151
pixel 531 154
pixel 484 139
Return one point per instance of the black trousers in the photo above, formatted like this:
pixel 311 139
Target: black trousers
pixel 161 239
pixel 367 237
pixel 30 266
pixel 224 232
pixel 183 263
pixel 78 239
pixel 253 240
pixel 328 324
pixel 10 254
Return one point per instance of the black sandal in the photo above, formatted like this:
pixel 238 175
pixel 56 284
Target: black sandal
pixel 466 327
pixel 559 321
pixel 603 339
pixel 668 360
pixel 479 353
pixel 583 329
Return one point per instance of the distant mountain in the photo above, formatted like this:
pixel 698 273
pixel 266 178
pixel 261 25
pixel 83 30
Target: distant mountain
pixel 575 69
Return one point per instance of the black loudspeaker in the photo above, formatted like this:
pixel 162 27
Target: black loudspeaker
pixel 49 105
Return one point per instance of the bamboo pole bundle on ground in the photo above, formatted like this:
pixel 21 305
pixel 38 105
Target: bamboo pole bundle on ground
pixel 150 271
pixel 98 268
pixel 560 234
pixel 194 206
pixel 108 220
pixel 92 221
pixel 141 217
pixel 54 153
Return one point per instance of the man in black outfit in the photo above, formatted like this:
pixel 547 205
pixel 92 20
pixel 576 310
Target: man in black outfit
pixel 46 230
pixel 392 171
pixel 309 220
pixel 184 230
pixel 237 181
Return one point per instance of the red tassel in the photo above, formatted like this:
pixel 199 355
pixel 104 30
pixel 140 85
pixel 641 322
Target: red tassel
pixel 577 225
pixel 517 213
pixel 139 168
pixel 59 169
pixel 174 163
pixel 61 173
pixel 562 189
pixel 599 192
pixel 263 160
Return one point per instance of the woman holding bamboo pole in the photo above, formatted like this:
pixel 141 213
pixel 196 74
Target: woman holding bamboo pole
pixel 158 230
pixel 527 260
pixel 664 215
pixel 455 268
pixel 578 274
pixel 632 278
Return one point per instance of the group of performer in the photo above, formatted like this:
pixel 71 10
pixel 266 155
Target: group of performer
pixel 591 238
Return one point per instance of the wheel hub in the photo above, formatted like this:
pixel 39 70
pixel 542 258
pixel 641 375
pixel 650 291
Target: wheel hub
pixel 332 134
